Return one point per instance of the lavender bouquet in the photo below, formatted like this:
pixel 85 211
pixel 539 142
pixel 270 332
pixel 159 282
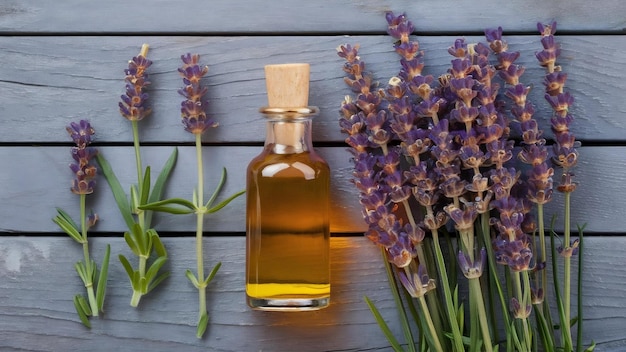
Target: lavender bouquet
pixel 459 164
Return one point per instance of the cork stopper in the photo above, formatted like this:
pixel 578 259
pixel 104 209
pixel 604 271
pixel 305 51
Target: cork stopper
pixel 287 85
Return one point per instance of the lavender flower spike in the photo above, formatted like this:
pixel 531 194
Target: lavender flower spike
pixel 193 108
pixel 84 172
pixel 133 104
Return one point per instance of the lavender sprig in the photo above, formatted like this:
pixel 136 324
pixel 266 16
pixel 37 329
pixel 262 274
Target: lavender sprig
pixel 142 240
pixel 196 121
pixel 539 178
pixel 83 184
pixel 565 157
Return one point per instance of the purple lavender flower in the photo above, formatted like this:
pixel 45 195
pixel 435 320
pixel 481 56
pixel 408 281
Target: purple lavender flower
pixel 84 171
pixel 417 283
pixel 133 104
pixel 193 108
pixel 472 269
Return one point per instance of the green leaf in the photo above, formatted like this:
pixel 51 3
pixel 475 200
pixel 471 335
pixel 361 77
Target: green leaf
pixel 129 268
pixel 134 200
pixel 157 281
pixel 218 189
pixel 192 278
pixel 592 347
pixel 159 248
pixel 145 189
pixel 383 326
pixel 202 325
pixel 118 192
pixel 167 202
pixel 142 239
pixel 225 202
pixel 155 267
pixel 102 279
pixel 80 303
pixel 67 218
pixel 82 271
pixel 169 210
pixel 159 184
pixel 68 228
pixel 212 273
pixel 130 241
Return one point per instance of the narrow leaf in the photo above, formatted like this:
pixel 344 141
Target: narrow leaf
pixel 592 347
pixel 202 325
pixel 129 268
pixel 102 279
pixel 130 241
pixel 67 218
pixel 225 202
pixel 383 326
pixel 82 271
pixel 218 189
pixel 157 281
pixel 212 273
pixel 159 248
pixel 159 184
pixel 81 313
pixel 84 306
pixel 68 228
pixel 178 201
pixel 192 278
pixel 134 200
pixel 155 267
pixel 169 210
pixel 145 189
pixel 118 192
pixel 141 240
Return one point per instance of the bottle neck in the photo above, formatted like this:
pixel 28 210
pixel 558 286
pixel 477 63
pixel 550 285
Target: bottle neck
pixel 288 136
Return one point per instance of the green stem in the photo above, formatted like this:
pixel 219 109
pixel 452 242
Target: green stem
pixel 406 328
pixel 457 338
pixel 431 327
pixel 89 278
pixel 137 154
pixel 521 297
pixel 476 296
pixel 199 228
pixel 567 268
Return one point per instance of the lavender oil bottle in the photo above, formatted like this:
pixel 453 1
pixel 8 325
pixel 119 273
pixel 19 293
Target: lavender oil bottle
pixel 287 205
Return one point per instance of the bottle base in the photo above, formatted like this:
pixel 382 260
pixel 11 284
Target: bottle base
pixel 288 304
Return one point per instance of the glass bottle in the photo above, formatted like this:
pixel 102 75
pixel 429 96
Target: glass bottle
pixel 287 205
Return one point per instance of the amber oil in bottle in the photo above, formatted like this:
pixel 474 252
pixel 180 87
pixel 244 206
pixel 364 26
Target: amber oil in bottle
pixel 287 206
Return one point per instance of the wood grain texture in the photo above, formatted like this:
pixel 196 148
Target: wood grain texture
pixel 323 16
pixel 49 81
pixel 33 196
pixel 36 315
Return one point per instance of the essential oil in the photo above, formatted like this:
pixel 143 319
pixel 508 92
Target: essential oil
pixel 287 207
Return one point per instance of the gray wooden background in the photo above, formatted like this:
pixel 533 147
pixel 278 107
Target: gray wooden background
pixel 61 61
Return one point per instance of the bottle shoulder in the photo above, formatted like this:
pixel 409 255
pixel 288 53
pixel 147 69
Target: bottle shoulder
pixel 308 165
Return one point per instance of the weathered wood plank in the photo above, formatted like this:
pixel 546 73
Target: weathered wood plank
pixel 241 16
pixel 40 192
pixel 48 81
pixel 32 196
pixel 37 283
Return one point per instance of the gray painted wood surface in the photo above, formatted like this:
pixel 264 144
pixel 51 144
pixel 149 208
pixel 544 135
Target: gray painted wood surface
pixel 322 16
pixel 38 283
pixel 82 78
pixel 63 61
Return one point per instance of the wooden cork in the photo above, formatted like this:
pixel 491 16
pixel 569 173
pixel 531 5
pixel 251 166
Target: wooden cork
pixel 287 85
pixel 288 88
